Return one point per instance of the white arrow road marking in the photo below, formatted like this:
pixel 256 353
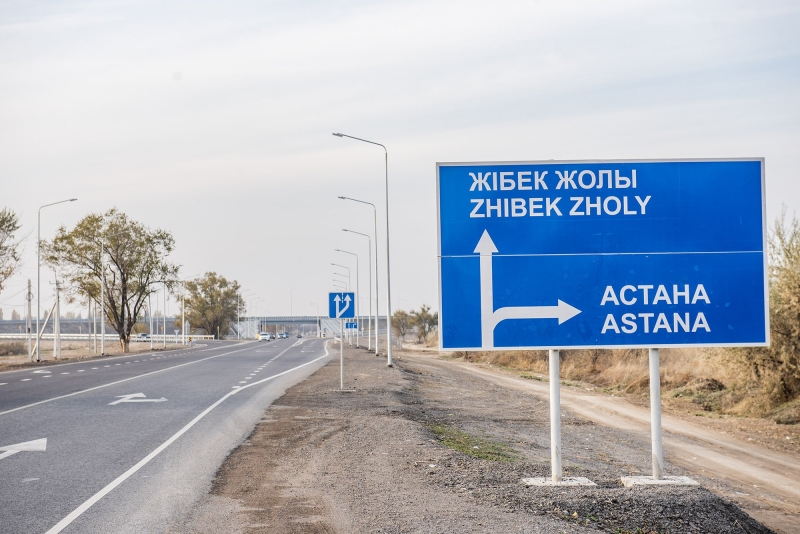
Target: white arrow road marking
pixel 35 445
pixel 491 317
pixel 135 397
pixel 72 516
pixel 337 300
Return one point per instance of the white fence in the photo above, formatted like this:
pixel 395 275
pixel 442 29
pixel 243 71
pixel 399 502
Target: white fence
pixel 159 338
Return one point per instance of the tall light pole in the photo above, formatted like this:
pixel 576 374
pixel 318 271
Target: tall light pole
pixel 369 270
pixel 358 289
pixel 377 292
pixel 349 285
pixel 39 275
pixel 388 265
pixel 346 284
pixel 291 301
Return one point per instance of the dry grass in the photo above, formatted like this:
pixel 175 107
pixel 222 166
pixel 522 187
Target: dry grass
pixel 702 376
pixel 12 348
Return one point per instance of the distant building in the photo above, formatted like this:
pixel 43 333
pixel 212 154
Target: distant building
pixel 1 314
pixel 14 315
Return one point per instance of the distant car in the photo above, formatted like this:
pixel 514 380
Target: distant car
pixel 142 337
pixel 299 336
pixel 283 335
pixel 265 336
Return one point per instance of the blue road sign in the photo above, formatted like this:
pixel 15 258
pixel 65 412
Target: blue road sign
pixel 602 254
pixel 341 305
pixel 351 325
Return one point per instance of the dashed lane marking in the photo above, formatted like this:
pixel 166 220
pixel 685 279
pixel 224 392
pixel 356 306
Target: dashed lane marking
pixel 120 381
pixel 61 525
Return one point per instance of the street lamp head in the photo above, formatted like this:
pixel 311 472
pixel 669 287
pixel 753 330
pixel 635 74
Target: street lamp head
pixel 73 199
pixel 343 198
pixel 338 135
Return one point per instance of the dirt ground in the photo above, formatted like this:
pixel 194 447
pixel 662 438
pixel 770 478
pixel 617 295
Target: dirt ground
pixel 75 351
pixel 430 446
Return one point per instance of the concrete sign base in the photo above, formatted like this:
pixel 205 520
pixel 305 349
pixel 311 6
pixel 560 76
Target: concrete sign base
pixel 629 482
pixel 566 481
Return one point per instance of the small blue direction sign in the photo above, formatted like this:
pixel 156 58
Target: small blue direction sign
pixel 351 325
pixel 602 254
pixel 341 305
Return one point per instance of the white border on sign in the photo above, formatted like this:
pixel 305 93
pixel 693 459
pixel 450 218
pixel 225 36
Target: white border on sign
pixel 763 250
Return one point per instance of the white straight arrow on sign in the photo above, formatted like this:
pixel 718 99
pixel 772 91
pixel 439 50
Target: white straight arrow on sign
pixel 491 317
pixel 36 445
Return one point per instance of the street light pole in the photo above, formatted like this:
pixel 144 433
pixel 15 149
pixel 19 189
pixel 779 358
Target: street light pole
pixel 358 289
pixel 349 285
pixel 388 264
pixel 39 275
pixel 377 292
pixel 369 270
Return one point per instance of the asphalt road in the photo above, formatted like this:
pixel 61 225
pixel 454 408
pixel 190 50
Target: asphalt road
pixel 120 463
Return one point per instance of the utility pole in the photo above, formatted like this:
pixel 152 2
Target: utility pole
pixel 94 326
pixel 57 325
pixel 29 298
pixel 150 313
pixel 165 315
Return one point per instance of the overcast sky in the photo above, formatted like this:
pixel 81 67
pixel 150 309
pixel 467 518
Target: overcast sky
pixel 213 120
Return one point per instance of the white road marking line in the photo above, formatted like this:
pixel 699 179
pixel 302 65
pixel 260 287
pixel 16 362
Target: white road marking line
pixel 94 368
pixel 117 364
pixel 65 373
pixel 47 376
pixel 144 461
pixel 243 382
pixel 24 379
pixel 120 381
pixel 81 370
pixel 3 384
pixel 106 366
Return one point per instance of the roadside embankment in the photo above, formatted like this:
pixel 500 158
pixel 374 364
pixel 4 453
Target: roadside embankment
pixel 429 447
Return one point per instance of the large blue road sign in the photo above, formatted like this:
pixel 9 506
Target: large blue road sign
pixel 607 254
pixel 341 305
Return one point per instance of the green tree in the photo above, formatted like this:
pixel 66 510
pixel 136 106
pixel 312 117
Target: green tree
pixel 211 303
pixel 425 322
pixel 9 247
pixel 135 265
pixel 776 368
pixel 402 323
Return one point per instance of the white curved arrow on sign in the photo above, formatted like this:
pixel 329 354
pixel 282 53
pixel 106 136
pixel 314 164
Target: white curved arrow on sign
pixel 337 300
pixel 491 317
